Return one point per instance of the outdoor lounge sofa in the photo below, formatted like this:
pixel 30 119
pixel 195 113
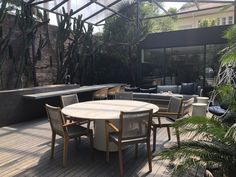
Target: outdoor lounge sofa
pixel 153 94
pixel 184 88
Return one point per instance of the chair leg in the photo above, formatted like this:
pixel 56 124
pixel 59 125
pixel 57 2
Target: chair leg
pixel 177 136
pixel 168 131
pixel 154 138
pixel 91 142
pixel 107 146
pixel 53 144
pixel 136 150
pixel 79 140
pixel 149 156
pixel 66 140
pixel 120 160
pixel 76 142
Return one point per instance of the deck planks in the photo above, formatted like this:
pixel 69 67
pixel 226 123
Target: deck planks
pixel 25 151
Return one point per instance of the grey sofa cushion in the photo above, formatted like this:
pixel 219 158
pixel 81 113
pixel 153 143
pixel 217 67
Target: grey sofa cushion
pixel 149 90
pixel 166 88
pixel 187 88
pixel 132 89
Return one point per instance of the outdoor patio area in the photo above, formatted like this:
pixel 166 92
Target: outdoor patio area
pixel 25 151
pixel 134 88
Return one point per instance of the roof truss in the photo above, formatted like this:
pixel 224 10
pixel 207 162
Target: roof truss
pixel 109 7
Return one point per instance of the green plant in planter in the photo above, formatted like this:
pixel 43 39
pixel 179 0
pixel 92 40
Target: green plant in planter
pixel 225 82
pixel 211 142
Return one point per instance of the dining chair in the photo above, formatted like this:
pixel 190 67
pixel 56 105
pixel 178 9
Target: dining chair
pixel 124 96
pixel 113 91
pixel 72 99
pixel 65 130
pixel 187 106
pixel 167 118
pixel 101 94
pixel 134 128
pixel 69 99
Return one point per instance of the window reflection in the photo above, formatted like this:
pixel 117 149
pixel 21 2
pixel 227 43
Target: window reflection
pixel 182 64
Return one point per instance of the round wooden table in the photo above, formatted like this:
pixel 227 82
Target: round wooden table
pixel 102 110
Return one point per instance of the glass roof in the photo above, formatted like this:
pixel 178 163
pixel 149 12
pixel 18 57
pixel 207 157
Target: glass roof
pixel 96 11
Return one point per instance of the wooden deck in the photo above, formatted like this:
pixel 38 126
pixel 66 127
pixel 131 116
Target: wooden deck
pixel 25 151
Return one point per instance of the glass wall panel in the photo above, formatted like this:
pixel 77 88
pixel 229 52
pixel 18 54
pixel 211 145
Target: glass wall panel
pixel 185 64
pixel 212 62
pixel 153 63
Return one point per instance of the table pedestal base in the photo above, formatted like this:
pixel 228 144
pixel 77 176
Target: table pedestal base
pixel 100 136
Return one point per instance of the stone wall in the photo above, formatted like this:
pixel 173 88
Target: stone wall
pixel 14 108
pixel 45 68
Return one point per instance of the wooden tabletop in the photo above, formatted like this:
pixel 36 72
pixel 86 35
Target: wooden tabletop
pixel 106 109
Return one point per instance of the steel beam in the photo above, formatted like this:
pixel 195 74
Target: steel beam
pixel 58 5
pixel 162 8
pixel 235 12
pixel 47 10
pixel 203 1
pixel 108 8
pixel 81 8
pixel 113 3
pixel 97 24
pixel 40 2
pixel 196 3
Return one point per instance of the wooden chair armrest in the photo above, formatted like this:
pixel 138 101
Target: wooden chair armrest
pixel 163 109
pixel 162 114
pixel 70 124
pixel 112 126
pixel 167 113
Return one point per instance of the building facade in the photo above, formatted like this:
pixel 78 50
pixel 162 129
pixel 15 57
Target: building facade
pixel 220 13
pixel 190 55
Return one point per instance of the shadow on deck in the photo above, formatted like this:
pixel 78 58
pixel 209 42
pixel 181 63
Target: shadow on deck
pixel 25 151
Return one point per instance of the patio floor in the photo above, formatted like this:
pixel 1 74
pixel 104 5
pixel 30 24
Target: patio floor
pixel 25 151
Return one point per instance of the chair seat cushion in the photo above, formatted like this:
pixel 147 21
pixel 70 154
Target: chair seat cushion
pixel 114 136
pixel 77 130
pixel 217 110
pixel 164 121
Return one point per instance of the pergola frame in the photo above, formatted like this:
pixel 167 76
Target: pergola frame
pixel 137 2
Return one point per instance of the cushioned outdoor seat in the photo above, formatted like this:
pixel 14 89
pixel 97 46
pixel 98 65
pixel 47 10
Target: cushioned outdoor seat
pixel 217 110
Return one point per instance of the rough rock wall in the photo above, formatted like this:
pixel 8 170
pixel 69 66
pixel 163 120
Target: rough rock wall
pixel 45 68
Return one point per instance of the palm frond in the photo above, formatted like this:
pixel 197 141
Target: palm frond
pixel 202 152
pixel 229 56
pixel 201 126
pixel 231 133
